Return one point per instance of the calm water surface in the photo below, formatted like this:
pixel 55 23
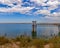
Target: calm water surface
pixel 13 30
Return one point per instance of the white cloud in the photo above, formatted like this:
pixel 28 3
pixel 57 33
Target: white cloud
pixel 53 4
pixel 15 8
pixel 55 14
pixel 44 12
pixel 39 2
pixel 10 2
pixel 22 10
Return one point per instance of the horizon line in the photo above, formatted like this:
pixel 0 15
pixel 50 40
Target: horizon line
pixel 31 23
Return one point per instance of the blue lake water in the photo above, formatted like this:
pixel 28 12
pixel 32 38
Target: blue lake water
pixel 13 30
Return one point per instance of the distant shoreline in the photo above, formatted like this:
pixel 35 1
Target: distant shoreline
pixel 15 23
pixel 37 23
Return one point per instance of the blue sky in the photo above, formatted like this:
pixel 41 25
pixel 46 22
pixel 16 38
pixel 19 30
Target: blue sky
pixel 19 11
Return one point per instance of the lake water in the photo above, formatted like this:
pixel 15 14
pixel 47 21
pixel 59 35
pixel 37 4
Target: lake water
pixel 13 30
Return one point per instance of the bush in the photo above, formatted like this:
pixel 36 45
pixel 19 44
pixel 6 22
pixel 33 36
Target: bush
pixel 55 41
pixel 3 40
pixel 39 42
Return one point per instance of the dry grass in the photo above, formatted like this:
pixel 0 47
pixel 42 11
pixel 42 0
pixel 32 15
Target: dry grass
pixel 27 42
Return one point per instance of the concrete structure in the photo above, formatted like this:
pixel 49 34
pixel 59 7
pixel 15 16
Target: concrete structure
pixel 34 26
pixel 59 27
pixel 34 29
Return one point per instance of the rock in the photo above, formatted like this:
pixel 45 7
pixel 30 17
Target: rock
pixel 33 47
pixel 47 46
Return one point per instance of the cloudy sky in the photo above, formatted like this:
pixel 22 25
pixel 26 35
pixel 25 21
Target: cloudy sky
pixel 28 10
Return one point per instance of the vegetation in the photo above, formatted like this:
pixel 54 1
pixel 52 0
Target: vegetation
pixel 59 33
pixel 55 41
pixel 29 42
pixel 3 40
